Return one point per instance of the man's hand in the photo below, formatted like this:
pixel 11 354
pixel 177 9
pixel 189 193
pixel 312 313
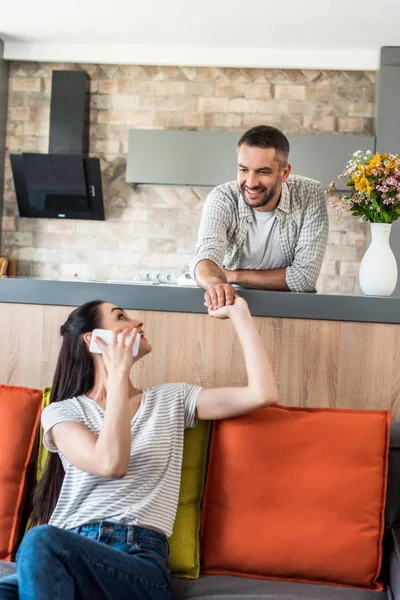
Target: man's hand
pixel 219 295
pixel 211 278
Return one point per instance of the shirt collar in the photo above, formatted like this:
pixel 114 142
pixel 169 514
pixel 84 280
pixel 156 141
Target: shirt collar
pixel 284 203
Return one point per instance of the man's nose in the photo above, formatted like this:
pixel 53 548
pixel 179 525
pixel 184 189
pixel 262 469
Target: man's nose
pixel 252 180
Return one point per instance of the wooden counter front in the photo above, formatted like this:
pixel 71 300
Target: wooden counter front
pixel 317 363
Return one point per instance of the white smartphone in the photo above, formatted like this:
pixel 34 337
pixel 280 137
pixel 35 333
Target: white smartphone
pixel 106 335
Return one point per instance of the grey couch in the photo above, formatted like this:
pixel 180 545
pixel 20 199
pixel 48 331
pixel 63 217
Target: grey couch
pixel 215 587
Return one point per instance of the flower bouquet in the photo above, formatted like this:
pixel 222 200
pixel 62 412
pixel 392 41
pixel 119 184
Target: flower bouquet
pixel 373 196
pixel 374 188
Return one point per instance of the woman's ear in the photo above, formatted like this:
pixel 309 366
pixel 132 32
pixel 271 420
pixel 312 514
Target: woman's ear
pixel 87 337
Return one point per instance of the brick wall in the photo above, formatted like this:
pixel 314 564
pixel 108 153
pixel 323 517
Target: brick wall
pixel 154 228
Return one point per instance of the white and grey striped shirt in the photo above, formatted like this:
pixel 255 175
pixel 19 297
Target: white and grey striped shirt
pixel 148 495
pixel 303 229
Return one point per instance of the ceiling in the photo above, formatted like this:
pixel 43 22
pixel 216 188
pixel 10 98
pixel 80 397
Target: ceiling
pixel 340 34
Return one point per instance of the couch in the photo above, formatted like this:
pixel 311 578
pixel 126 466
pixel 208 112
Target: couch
pixel 215 587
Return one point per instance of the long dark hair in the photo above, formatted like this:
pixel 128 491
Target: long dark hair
pixel 74 375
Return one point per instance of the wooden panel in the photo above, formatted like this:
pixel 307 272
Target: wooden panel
pixel 317 363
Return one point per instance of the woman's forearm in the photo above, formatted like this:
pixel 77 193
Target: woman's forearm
pixel 113 444
pixel 260 377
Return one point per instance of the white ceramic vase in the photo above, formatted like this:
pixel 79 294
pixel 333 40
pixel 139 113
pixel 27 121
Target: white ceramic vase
pixel 378 269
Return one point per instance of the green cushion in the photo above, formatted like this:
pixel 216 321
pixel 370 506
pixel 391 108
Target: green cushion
pixel 42 453
pixel 184 560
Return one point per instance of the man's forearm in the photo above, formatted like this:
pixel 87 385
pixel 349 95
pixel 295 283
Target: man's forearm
pixel 209 274
pixel 272 279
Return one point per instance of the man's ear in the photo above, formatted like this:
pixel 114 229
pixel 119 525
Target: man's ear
pixel 88 338
pixel 285 172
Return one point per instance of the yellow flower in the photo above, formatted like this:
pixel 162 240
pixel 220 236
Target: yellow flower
pixel 362 185
pixel 375 163
pixel 357 178
pixel 391 165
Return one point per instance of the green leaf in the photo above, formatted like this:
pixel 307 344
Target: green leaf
pixel 385 215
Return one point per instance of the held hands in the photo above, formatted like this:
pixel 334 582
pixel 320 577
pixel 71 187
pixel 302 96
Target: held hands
pixel 239 307
pixel 219 295
pixel 118 356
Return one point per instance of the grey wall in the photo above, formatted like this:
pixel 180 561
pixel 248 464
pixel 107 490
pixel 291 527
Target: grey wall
pixel 388 123
pixel 208 158
pixel 3 124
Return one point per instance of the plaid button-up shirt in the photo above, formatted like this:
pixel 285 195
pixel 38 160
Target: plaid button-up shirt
pixel 303 229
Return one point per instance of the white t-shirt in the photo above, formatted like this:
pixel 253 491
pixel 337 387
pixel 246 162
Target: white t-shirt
pixel 262 248
pixel 148 495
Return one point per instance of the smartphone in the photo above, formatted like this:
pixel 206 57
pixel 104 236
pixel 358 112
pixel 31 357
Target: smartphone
pixel 106 335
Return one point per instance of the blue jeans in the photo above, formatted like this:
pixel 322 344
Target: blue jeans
pixel 97 561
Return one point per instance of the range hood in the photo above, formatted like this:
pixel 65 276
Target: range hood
pixel 64 183
pixel 209 158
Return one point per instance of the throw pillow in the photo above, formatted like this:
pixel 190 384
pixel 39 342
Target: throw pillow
pixel 43 452
pixel 19 417
pixel 184 559
pixel 297 494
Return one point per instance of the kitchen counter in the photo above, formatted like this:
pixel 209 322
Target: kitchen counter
pixel 327 351
pixel 190 299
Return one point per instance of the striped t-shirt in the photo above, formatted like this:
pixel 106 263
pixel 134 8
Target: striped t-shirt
pixel 148 495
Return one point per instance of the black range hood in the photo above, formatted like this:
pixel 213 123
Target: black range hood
pixel 65 183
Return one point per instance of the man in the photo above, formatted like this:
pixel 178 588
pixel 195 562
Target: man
pixel 267 230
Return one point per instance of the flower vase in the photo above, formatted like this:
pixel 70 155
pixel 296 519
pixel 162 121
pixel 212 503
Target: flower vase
pixel 378 268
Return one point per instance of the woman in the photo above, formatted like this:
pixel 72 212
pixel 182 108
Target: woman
pixel 107 501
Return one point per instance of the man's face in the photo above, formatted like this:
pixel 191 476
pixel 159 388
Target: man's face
pixel 260 176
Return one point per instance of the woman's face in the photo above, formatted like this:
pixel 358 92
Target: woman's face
pixel 114 317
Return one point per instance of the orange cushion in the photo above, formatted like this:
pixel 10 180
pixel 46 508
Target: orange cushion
pixel 297 494
pixel 19 416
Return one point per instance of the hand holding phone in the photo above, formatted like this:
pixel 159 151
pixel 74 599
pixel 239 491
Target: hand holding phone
pixel 106 335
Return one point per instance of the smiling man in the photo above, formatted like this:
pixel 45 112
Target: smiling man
pixel 267 230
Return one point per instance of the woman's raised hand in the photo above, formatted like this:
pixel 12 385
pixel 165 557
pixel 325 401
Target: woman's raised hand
pixel 239 306
pixel 118 356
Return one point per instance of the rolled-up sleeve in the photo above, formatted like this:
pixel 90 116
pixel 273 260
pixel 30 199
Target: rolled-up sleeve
pixel 302 274
pixel 212 240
